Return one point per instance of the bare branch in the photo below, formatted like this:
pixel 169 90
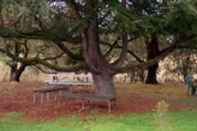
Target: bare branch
pixel 11 33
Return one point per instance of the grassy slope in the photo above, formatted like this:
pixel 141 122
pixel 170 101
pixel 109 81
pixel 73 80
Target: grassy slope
pixel 179 121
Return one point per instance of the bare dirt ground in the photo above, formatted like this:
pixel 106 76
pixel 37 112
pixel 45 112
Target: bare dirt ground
pixel 135 98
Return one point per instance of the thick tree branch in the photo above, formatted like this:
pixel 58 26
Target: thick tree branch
pixel 111 47
pixel 67 51
pixel 11 33
pixel 53 57
pixel 116 46
pixel 123 53
pixel 44 61
pixel 72 68
pixel 165 52
pixel 36 61
pixel 148 63
pixel 43 70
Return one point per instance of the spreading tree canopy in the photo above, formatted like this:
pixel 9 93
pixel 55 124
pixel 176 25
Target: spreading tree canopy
pixel 99 28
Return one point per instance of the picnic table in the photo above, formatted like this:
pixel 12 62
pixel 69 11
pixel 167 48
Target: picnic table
pixel 56 88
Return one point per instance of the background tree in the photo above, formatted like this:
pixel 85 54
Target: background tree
pixel 16 49
pixel 159 27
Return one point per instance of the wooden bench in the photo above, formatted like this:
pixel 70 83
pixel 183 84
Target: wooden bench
pixel 66 90
pixel 56 89
pixel 90 99
pixel 45 93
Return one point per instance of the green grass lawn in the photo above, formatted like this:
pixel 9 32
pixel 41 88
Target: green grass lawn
pixel 178 121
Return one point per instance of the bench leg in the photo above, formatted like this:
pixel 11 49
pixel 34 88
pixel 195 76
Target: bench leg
pixel 34 98
pixel 41 98
pixel 109 103
pixel 48 96
pixel 55 97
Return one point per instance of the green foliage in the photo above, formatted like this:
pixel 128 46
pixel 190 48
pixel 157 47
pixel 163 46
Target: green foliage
pixel 146 17
pixel 182 19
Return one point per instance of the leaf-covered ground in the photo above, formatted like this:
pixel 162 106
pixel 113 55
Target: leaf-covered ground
pixel 133 98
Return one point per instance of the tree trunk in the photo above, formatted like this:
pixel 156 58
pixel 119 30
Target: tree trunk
pixel 15 73
pixel 97 64
pixel 100 68
pixel 152 74
pixel 152 52
pixel 104 85
pixel 14 76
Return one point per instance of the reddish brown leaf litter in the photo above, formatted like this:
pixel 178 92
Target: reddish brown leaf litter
pixel 19 99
